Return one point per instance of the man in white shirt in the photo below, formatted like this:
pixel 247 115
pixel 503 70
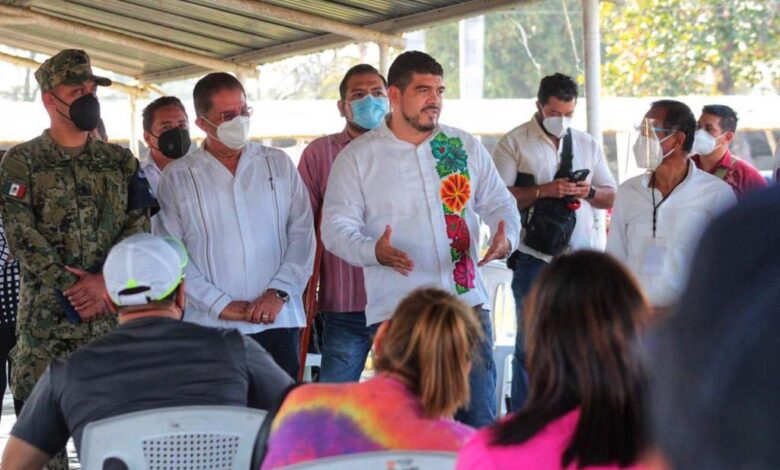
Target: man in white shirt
pixel 528 158
pixel 402 202
pixel 659 216
pixel 167 135
pixel 244 215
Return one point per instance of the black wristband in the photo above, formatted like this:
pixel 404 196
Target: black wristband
pixel 591 193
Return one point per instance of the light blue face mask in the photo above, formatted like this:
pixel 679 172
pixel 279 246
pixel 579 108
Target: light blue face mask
pixel 368 112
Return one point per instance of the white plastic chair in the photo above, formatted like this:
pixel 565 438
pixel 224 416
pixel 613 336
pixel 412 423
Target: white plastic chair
pixel 191 437
pixel 391 459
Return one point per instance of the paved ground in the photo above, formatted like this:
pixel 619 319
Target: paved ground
pixel 7 421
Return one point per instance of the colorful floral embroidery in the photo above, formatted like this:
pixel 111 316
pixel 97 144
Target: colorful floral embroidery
pixel 452 167
pixel 455 192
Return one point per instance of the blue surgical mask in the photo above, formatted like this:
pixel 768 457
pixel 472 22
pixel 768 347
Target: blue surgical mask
pixel 368 112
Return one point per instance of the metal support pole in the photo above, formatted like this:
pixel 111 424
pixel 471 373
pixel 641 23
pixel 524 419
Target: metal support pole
pixel 590 19
pixel 383 59
pixel 133 139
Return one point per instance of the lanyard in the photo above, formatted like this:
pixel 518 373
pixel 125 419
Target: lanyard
pixel 656 206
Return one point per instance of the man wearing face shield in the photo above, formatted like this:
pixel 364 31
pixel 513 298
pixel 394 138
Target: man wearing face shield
pixel 714 132
pixel 167 135
pixel 66 200
pixel 660 215
pixel 244 215
pixel 528 159
pixel 342 296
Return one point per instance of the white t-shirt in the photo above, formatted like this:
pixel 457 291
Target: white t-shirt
pixel 527 149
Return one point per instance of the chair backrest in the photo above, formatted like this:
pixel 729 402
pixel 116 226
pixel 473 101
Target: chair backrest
pixel 192 437
pixel 391 459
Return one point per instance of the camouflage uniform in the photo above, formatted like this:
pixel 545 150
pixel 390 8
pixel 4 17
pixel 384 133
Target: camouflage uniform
pixel 61 210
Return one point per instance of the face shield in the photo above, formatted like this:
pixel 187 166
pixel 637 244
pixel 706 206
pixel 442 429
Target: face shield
pixel 645 152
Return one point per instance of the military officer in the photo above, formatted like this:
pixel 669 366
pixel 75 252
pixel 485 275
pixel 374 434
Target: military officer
pixel 66 200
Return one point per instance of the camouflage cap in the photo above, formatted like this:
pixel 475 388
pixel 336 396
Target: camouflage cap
pixel 69 66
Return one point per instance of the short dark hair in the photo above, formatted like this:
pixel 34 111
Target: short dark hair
pixel 679 117
pixel 728 117
pixel 148 112
pixel 210 85
pixel 558 85
pixel 359 69
pixel 402 68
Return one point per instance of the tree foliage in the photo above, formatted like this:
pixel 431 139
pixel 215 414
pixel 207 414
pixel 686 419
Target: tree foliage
pixel 678 47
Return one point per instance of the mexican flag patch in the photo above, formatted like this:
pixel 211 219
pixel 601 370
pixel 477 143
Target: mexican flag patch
pixel 16 190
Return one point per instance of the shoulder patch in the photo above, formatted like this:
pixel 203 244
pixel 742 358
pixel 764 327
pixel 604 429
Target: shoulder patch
pixel 14 189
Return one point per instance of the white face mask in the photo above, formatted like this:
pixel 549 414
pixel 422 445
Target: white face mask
pixel 557 125
pixel 234 133
pixel 704 143
pixel 648 152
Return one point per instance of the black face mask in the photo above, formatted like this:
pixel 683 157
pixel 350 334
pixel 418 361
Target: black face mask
pixel 173 143
pixel 84 111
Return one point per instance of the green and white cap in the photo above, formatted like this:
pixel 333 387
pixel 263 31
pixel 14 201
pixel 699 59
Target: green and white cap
pixel 144 268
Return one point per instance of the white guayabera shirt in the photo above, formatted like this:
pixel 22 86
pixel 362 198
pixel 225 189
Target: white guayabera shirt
pixel 245 233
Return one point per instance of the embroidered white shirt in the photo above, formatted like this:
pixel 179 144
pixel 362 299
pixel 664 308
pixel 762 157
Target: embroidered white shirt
pixel 380 180
pixel 245 233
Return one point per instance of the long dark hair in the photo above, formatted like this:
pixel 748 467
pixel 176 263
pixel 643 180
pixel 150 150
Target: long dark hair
pixel 581 322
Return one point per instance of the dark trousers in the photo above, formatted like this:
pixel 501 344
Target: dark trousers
pixel 283 344
pixel 526 270
pixel 7 341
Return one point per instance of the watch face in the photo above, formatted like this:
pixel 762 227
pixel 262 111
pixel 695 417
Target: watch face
pixel 282 295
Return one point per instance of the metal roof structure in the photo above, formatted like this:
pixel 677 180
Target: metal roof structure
pixel 155 41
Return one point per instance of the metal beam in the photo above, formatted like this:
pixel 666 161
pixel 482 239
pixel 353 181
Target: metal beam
pixel 128 41
pixel 310 21
pixel 141 90
pixel 307 46
pixel 16 20
pixel 99 58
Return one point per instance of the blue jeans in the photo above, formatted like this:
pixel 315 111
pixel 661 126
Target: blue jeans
pixel 527 268
pixel 481 410
pixel 346 341
pixel 283 344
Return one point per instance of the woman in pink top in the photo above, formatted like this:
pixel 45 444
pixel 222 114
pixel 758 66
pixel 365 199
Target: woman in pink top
pixel 423 358
pixel 584 409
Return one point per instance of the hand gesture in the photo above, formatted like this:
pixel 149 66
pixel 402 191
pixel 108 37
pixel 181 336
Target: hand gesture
pixel 387 255
pixel 86 295
pixel 559 188
pixel 235 310
pixel 499 248
pixel 265 308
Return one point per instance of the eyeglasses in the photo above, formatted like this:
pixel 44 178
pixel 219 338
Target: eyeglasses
pixel 225 116
pixel 645 129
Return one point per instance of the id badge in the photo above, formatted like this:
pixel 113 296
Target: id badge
pixel 653 258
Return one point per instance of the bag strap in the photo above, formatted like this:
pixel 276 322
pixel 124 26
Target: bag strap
pixel 564 169
pixel 721 172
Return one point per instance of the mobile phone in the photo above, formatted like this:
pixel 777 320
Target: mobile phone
pixel 579 175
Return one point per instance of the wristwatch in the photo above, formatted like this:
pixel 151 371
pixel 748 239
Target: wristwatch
pixel 591 193
pixel 282 295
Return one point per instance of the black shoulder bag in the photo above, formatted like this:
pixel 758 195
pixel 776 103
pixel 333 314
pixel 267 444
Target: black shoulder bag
pixel 550 222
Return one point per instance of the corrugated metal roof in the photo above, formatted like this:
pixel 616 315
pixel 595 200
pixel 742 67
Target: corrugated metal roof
pixel 208 29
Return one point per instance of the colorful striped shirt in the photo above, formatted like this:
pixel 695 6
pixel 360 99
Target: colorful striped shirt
pixel 324 420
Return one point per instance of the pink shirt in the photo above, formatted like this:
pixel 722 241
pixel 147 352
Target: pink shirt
pixel 544 450
pixel 341 285
pixel 740 175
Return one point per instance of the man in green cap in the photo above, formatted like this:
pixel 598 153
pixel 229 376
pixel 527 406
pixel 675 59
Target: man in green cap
pixel 66 200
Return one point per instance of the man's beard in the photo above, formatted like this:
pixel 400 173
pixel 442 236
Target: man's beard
pixel 414 121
